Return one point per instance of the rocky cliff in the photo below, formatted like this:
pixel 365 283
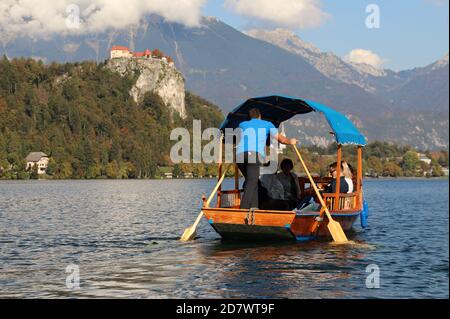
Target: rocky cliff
pixel 154 75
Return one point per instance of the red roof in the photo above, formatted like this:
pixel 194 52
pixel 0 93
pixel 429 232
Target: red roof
pixel 142 54
pixel 119 48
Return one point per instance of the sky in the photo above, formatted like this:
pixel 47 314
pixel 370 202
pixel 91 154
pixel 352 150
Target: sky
pixel 395 34
pixel 411 33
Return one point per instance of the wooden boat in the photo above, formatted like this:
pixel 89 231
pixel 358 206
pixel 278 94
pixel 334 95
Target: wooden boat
pixel 231 222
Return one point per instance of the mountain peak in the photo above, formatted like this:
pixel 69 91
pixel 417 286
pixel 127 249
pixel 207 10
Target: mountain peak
pixel 441 63
pixel 368 69
pixel 283 38
pixel 209 19
pixel 326 63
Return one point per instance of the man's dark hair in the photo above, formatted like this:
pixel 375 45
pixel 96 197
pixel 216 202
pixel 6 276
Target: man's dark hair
pixel 254 113
pixel 287 162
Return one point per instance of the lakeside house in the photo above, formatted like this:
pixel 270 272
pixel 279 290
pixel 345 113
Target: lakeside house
pixel 187 175
pixel 168 175
pixel 425 159
pixel 38 159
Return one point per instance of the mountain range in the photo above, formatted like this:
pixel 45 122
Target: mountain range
pixel 400 88
pixel 227 66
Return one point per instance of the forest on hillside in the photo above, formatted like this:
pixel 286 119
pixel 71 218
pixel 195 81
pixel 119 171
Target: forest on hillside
pixel 82 116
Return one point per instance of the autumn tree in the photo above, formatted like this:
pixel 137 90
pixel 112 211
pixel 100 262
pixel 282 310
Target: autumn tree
pixel 156 53
pixel 391 169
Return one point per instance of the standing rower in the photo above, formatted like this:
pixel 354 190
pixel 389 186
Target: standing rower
pixel 251 152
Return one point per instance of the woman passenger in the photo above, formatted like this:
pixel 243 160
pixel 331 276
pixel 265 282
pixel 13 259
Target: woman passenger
pixel 346 182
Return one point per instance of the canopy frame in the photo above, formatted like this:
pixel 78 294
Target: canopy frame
pixel 278 109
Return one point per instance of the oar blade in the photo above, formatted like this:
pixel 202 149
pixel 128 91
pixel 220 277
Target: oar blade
pixel 337 232
pixel 188 234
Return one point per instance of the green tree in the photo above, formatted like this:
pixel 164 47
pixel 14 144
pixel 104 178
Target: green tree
pixel 199 170
pixel 436 169
pixel 65 170
pixel 51 167
pixel 410 163
pixel 112 170
pixel 93 171
pixel 34 172
pixel 391 169
pixel 156 108
pixel 410 160
pixel 71 90
pixel 176 172
pixel 375 164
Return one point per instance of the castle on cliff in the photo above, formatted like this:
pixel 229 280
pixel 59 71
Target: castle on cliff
pixel 124 52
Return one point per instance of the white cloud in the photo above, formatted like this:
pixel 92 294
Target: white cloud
pixel 40 18
pixel 365 56
pixel 286 13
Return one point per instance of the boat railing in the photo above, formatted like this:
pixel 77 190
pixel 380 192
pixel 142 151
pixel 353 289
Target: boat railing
pixel 345 201
pixel 342 202
pixel 350 202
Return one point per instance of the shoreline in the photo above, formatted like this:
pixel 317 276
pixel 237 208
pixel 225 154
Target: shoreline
pixel 191 179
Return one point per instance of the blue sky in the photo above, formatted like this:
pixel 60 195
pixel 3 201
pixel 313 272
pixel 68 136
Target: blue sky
pixel 412 33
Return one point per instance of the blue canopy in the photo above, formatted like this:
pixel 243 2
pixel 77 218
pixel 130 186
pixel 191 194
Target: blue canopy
pixel 278 109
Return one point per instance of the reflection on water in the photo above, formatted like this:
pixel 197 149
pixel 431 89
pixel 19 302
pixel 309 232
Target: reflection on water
pixel 123 236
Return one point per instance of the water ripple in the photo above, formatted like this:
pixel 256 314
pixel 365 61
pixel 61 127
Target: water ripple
pixel 123 235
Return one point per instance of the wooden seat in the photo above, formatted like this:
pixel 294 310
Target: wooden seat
pixel 230 199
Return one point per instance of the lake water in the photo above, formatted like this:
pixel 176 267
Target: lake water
pixel 123 236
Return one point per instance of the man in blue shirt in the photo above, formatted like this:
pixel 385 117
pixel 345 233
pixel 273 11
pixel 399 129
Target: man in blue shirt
pixel 251 152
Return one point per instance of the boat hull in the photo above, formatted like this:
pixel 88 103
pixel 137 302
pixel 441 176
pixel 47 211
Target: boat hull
pixel 274 225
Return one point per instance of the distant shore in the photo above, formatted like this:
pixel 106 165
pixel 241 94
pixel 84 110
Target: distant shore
pixel 205 178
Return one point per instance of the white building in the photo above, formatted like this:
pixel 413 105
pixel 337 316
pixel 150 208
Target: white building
pixel 120 52
pixel 39 159
pixel 424 158
pixel 168 175
pixel 124 52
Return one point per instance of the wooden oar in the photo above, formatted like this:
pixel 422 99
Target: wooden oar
pixel 334 227
pixel 190 232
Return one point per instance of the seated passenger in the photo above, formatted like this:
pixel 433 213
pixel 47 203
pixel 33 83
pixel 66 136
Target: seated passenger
pixel 345 187
pixel 273 186
pixel 348 174
pixel 271 193
pixel 345 179
pixel 290 183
